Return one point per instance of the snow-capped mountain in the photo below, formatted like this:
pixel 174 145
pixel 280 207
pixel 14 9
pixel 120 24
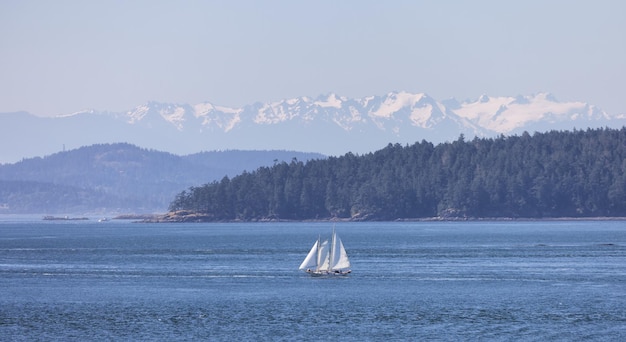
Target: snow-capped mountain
pixel 512 114
pixel 329 124
pixel 393 112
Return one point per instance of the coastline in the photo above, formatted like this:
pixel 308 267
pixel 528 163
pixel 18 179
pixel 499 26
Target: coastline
pixel 191 217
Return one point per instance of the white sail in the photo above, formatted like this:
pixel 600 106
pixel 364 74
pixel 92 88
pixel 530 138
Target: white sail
pixel 323 260
pixel 311 259
pixel 340 257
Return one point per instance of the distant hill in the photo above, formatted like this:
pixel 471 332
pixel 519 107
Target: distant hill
pixel 120 178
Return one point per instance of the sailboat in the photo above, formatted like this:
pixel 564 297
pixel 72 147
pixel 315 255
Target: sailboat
pixel 327 258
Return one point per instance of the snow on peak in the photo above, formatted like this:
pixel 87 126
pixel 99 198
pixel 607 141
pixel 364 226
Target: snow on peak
pixel 138 113
pixel 203 109
pixel 547 97
pixel 174 114
pixel 206 108
pixel 224 118
pixel 505 114
pixel 394 102
pixel 331 101
pixel 86 111
pixel 272 113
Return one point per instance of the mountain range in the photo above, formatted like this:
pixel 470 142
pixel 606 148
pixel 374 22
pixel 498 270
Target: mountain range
pixel 330 124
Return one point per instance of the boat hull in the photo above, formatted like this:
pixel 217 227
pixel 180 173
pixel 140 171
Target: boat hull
pixel 328 273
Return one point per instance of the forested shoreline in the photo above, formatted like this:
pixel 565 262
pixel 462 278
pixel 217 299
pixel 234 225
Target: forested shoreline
pixel 580 173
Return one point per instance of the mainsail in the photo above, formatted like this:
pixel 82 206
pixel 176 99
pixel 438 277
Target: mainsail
pixel 340 257
pixel 323 260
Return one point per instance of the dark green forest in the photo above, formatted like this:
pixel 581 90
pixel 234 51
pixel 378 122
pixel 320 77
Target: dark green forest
pixel 556 174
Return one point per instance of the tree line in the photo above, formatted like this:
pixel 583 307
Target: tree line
pixel 580 173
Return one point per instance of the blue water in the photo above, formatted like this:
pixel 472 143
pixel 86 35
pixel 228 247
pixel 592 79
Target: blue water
pixel 442 281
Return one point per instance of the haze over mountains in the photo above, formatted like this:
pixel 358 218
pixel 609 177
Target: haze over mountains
pixel 329 124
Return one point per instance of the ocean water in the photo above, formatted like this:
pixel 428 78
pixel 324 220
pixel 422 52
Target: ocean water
pixel 435 281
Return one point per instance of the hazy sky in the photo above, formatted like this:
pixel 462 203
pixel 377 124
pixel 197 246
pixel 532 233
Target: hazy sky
pixel 60 57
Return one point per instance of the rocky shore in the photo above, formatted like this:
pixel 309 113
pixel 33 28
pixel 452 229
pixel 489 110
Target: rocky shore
pixel 179 216
pixel 182 216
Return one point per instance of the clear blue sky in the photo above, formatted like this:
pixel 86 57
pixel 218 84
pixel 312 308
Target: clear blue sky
pixel 59 57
